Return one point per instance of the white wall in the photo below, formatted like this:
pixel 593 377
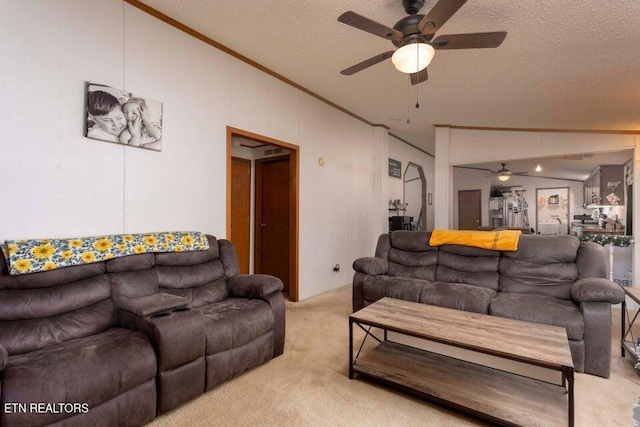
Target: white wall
pixel 60 184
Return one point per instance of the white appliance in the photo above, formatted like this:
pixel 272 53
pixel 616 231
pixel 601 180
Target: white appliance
pixel 549 226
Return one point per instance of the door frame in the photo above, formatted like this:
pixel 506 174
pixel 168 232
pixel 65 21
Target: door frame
pixel 294 239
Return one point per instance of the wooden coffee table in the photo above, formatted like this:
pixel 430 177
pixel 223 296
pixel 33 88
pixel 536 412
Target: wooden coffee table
pixel 501 397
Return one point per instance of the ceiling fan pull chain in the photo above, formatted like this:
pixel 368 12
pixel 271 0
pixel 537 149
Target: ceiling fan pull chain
pixel 408 95
pixel 417 78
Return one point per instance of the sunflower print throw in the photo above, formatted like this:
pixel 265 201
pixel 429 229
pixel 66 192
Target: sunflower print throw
pixel 31 256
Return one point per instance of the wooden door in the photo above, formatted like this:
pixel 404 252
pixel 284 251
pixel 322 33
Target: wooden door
pixel 273 218
pixel 240 234
pixel 469 209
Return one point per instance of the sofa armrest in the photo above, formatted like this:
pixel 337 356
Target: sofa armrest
pixel 151 304
pixel 254 285
pixel 4 357
pixel 372 266
pixel 594 289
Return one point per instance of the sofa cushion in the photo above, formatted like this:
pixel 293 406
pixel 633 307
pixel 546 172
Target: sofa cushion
pixel 47 279
pixel 235 322
pixel 419 265
pixel 457 296
pixel 130 263
pixel 591 260
pixel 405 288
pixel 540 309
pixel 474 266
pixel 23 336
pixel 199 296
pixel 134 284
pixel 180 277
pixel 542 265
pixel 411 241
pixel 27 304
pixel 89 370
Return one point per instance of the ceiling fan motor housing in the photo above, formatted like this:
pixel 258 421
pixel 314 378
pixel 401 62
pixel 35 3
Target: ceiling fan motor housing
pixel 408 26
pixel 412 6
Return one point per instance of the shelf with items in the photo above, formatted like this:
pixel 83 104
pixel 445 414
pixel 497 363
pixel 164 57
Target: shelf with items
pixel 397 206
pixel 604 186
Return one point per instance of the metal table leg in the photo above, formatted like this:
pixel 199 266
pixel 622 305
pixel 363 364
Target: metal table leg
pixel 623 315
pixel 568 374
pixel 350 348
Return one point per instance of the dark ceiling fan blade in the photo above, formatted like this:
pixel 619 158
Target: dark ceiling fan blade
pixel 367 63
pixel 438 15
pixel 419 77
pixel 469 41
pixel 365 24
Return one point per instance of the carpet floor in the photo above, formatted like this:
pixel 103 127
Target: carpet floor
pixel 309 386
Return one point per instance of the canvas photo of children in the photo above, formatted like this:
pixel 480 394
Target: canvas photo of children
pixel 114 115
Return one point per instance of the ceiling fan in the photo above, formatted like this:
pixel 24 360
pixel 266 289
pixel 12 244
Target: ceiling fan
pixel 413 36
pixel 504 174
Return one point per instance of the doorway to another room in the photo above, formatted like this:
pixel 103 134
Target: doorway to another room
pixel 469 209
pixel 262 206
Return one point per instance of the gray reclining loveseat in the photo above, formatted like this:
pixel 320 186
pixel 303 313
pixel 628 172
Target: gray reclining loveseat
pixel 119 341
pixel 555 280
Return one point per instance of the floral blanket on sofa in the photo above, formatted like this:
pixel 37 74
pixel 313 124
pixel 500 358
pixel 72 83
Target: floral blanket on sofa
pixel 31 256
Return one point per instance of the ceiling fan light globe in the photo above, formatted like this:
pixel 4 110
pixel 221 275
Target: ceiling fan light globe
pixel 406 58
pixel 504 177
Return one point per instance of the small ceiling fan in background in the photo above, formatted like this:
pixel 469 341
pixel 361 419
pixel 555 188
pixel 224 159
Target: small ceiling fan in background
pixel 413 36
pixel 504 174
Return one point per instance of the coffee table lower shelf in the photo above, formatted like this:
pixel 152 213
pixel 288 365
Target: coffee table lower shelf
pixel 501 397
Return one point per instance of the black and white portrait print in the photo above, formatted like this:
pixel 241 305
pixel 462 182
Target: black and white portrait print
pixel 118 116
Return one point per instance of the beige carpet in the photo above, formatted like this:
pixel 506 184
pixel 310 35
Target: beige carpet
pixel 308 385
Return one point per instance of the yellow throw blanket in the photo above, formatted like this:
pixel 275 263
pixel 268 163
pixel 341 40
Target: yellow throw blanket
pixel 497 240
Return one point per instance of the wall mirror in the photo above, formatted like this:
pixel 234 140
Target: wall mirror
pixel 552 210
pixel 415 195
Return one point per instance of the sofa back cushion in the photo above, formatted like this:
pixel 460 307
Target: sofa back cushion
pixel 542 265
pixel 39 310
pixel 591 261
pixel 410 255
pixel 132 276
pixel 198 276
pixel 472 266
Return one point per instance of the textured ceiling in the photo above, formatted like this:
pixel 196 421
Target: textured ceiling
pixel 565 64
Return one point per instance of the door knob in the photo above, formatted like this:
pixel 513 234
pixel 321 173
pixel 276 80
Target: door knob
pixel 262 225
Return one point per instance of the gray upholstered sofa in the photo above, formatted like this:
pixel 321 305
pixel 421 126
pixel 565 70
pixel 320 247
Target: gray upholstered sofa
pixel 555 280
pixel 129 338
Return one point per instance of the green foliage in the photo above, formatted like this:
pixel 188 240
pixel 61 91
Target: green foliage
pixel 607 239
